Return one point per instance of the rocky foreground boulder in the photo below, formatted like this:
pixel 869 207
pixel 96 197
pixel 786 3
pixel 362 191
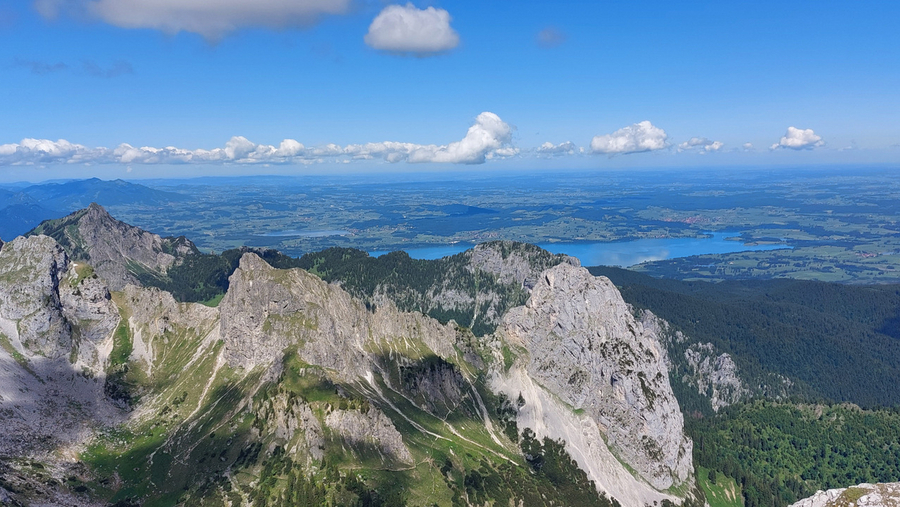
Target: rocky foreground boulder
pixel 861 495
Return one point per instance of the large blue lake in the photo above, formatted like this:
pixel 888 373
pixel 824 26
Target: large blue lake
pixel 619 253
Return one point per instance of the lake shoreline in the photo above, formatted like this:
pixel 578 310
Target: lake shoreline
pixel 620 253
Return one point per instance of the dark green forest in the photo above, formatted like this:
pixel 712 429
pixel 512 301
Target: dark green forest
pixel 835 342
pixel 780 453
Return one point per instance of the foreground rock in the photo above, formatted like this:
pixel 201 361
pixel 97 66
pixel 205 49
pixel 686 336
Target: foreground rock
pixel 862 495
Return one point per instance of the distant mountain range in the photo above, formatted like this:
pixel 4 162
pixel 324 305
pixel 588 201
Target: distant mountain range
pixel 23 208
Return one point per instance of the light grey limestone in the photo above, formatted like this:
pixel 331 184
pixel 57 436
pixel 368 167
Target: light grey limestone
pixel 267 310
pixel 862 495
pixel 585 347
pixel 369 428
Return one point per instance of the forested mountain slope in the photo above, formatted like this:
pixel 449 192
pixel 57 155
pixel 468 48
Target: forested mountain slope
pixel 833 341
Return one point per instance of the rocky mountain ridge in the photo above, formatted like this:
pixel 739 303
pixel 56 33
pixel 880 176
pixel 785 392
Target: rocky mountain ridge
pixel 117 251
pixel 292 370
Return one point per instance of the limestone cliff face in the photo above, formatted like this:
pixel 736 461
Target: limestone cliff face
pixel 713 374
pixel 30 269
pixel 267 310
pixel 583 345
pixel 47 308
pixel 55 337
pixel 862 495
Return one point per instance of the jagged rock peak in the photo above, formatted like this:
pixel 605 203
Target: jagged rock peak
pixel 514 262
pixel 584 346
pixel 113 247
pixel 97 209
pixel 862 495
pixel 250 261
pixel 267 310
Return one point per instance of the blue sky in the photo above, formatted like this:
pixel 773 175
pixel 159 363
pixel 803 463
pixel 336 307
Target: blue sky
pixel 726 73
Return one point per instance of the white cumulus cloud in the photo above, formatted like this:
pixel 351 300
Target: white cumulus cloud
pixel 635 138
pixel 210 18
pixel 799 139
pixel 43 151
pixel 700 144
pixel 566 148
pixel 406 29
pixel 489 137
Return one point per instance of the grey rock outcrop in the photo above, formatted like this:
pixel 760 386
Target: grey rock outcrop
pixel 583 345
pixel 514 263
pixel 30 271
pixel 115 249
pixel 714 375
pixel 369 428
pixel 862 495
pixel 87 306
pixel 266 310
pixel 711 373
pixel 293 424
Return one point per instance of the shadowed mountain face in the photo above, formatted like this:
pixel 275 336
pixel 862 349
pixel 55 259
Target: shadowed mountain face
pixel 17 219
pixel 295 391
pixel 79 194
pixel 22 209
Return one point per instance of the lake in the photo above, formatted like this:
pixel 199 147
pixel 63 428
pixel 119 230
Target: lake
pixel 618 253
pixel 306 234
